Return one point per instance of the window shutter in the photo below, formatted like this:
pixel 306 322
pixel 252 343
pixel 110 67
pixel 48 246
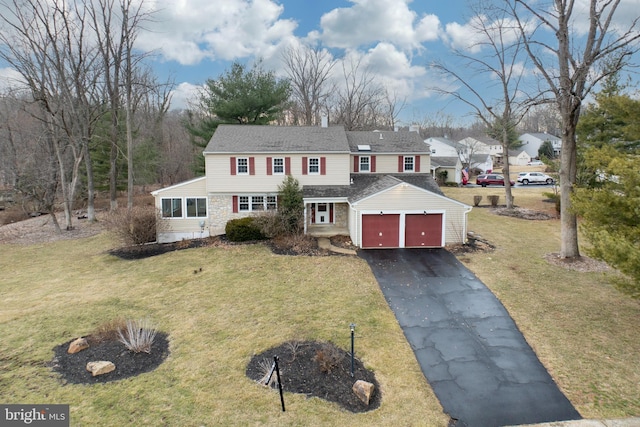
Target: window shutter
pixel 313 213
pixel 417 165
pixel 235 204
pixel 252 165
pixel 287 165
pixel 373 164
pixel 400 164
pixel 304 166
pixel 323 165
pixel 331 213
pixel 233 166
pixel 356 164
pixel 269 166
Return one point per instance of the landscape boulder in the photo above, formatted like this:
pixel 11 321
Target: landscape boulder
pixel 363 390
pixel 77 345
pixel 100 367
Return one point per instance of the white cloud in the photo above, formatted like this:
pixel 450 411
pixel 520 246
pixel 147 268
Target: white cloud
pixel 184 94
pixel 189 31
pixel 370 21
pixel 479 32
pixel 10 80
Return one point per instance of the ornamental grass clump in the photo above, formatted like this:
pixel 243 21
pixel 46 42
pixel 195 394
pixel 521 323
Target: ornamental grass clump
pixel 138 335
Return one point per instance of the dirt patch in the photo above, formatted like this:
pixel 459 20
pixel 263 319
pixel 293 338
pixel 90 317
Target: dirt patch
pixel 475 243
pixel 582 264
pixel 317 369
pixel 72 367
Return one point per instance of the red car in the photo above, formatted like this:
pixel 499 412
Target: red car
pixel 491 179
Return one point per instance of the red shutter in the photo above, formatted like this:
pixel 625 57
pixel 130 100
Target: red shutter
pixel 313 213
pixel 252 165
pixel 269 165
pixel 287 165
pixel 233 166
pixel 323 165
pixel 373 163
pixel 235 204
pixel 304 166
pixel 356 164
pixel 417 165
pixel 331 213
pixel 400 164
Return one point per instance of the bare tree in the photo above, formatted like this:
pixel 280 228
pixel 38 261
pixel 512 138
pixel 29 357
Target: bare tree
pixel 309 71
pixel 571 68
pixel 47 44
pixel 500 59
pixel 357 101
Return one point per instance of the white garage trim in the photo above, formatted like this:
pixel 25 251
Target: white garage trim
pixel 401 228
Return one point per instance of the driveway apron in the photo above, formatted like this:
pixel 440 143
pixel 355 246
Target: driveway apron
pixel 470 350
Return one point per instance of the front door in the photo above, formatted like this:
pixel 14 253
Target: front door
pixel 322 213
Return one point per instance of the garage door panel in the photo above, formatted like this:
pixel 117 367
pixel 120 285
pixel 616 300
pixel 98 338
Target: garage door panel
pixel 381 231
pixel 423 230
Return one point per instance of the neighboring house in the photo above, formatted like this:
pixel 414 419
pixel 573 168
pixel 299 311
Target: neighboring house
pixel 532 142
pixel 451 165
pixel 519 157
pixel 483 162
pixel 481 145
pixel 375 187
pixel 443 147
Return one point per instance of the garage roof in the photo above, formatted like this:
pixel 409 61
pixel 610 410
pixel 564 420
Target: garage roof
pixel 365 185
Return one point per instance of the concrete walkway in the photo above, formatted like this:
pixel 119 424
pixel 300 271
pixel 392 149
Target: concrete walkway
pixel 325 243
pixel 623 422
pixel 476 360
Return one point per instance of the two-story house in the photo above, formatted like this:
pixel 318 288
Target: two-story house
pixel 533 141
pixel 375 187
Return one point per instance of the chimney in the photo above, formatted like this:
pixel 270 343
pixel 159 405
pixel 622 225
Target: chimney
pixel 324 121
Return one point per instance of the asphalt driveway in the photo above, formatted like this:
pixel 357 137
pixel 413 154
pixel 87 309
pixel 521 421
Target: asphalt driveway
pixel 470 350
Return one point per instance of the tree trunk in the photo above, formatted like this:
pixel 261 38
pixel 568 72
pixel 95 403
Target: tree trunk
pixel 568 171
pixel 91 194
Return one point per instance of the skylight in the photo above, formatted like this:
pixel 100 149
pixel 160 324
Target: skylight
pixel 366 147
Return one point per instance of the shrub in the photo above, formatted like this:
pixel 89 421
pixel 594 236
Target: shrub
pixel 328 357
pixel 137 336
pixel 135 226
pixel 493 200
pixel 107 331
pixel 243 230
pixel 477 200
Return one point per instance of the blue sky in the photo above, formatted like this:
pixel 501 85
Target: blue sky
pixel 397 40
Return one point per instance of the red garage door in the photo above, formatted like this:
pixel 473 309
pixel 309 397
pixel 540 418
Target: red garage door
pixel 381 231
pixel 423 230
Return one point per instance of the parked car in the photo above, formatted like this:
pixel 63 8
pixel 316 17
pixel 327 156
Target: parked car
pixel 535 178
pixel 491 179
pixel 535 163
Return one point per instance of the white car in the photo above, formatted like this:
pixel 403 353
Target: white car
pixel 535 163
pixel 534 178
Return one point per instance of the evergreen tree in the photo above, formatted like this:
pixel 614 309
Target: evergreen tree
pixel 238 96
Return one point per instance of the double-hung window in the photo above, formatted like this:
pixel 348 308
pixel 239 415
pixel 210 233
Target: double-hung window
pixel 172 208
pixel 278 166
pixel 314 165
pixel 365 162
pixel 257 203
pixel 242 166
pixel 409 163
pixel 196 207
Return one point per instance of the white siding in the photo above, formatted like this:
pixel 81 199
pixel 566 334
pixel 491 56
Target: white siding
pixel 407 198
pixel 174 229
pixel 220 180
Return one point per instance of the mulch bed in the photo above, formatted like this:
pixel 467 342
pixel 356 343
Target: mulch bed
pixel 72 367
pixel 300 371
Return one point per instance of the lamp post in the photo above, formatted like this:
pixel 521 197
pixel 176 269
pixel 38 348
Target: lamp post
pixel 353 328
